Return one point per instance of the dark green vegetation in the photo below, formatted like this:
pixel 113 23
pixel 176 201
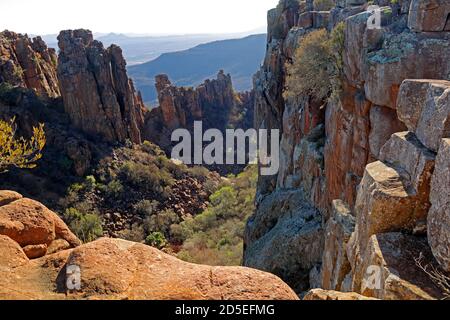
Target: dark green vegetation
pixel 137 192
pixel 215 237
pixel 239 57
pixel 121 203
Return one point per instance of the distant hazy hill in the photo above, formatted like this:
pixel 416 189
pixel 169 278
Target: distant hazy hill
pixel 239 57
pixel 141 48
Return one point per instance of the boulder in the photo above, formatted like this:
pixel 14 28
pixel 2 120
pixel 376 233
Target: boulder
pixel 383 123
pixel 57 246
pixel 35 251
pixel 424 106
pixel 439 215
pixel 30 223
pixel 404 151
pixel 116 270
pixel 7 197
pixel 325 295
pixel 11 254
pixel 389 270
pixel 429 16
pixel 384 204
pixel 404 56
pixel 335 264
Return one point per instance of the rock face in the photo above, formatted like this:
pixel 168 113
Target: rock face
pixel 31 225
pixel 424 106
pixel 429 15
pixel 439 215
pixel 388 269
pixel 365 158
pixel 214 103
pixel 324 295
pixel 109 269
pixel 289 225
pixel 98 95
pixel 28 63
pixel 335 264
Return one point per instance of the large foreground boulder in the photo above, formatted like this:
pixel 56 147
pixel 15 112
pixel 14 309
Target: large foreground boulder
pixel 37 262
pixel 118 269
pixel 31 224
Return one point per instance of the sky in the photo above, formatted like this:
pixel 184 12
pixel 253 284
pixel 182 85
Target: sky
pixel 135 16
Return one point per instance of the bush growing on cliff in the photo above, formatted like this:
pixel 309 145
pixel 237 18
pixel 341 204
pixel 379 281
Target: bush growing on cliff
pixel 316 69
pixel 19 152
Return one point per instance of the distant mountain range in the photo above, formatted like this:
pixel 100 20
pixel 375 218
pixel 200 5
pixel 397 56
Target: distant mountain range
pixel 239 57
pixel 141 48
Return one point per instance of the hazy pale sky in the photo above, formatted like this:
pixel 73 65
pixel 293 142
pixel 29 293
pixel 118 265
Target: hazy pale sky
pixel 134 16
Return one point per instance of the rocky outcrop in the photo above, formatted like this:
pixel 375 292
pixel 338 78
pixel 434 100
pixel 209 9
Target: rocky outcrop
pixel 424 106
pixel 214 103
pixel 283 224
pixel 439 215
pixel 325 295
pixel 108 269
pixel 98 95
pixel 429 15
pixel 388 270
pixel 338 230
pixel 28 63
pixel 31 225
pixel 372 146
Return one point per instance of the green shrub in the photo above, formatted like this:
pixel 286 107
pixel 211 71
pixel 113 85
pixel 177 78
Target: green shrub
pixel 76 187
pixel 161 222
pixel 215 237
pixel 114 189
pixel 146 208
pixel 149 177
pixel 156 239
pixel 200 173
pixel 316 69
pixel 86 226
pixel 135 234
pixel 90 183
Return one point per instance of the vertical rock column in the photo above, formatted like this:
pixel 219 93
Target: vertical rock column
pixel 97 94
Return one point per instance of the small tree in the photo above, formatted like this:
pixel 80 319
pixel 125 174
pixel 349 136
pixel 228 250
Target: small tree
pixel 317 65
pixel 19 152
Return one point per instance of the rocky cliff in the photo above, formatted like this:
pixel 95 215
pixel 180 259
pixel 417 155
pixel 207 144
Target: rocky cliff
pixel 359 182
pixel 37 251
pixel 28 63
pixel 214 102
pixel 98 95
